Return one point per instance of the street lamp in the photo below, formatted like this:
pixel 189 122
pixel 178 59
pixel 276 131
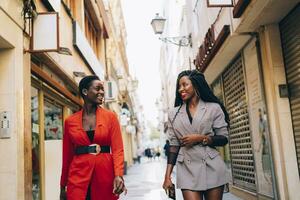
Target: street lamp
pixel 158 24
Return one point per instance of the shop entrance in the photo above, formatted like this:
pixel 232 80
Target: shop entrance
pixel 48 111
pixel 290 34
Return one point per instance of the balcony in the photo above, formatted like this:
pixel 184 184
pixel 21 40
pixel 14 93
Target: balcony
pixel 259 13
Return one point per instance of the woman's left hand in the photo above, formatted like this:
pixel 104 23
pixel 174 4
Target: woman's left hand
pixel 119 185
pixel 191 139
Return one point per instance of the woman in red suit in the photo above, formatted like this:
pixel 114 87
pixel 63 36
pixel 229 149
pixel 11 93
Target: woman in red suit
pixel 93 154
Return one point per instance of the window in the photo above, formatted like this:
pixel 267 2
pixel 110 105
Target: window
pixel 35 144
pixel 53 120
pixel 48 110
pixel 91 32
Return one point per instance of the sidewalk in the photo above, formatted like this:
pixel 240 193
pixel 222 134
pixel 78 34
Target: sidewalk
pixel 144 182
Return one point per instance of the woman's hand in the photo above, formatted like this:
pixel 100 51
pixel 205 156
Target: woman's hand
pixel 167 183
pixel 63 195
pixel 191 139
pixel 119 185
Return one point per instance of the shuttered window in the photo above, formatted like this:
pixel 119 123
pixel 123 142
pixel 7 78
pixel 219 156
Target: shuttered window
pixel 290 39
pixel 91 32
pixel 243 171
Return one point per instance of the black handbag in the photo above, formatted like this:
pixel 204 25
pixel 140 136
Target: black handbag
pixel 226 188
pixel 171 192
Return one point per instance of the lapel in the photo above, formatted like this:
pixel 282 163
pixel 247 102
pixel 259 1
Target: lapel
pixel 99 123
pixel 184 119
pixel 81 130
pixel 184 124
pixel 201 109
pixel 99 117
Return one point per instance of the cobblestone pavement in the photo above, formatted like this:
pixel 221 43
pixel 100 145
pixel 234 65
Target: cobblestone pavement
pixel 144 182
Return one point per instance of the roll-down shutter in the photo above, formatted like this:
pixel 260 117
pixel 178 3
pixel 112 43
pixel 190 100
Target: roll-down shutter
pixel 290 38
pixel 242 159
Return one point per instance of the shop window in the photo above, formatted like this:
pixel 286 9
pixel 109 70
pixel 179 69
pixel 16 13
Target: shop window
pixel 242 156
pixel 217 88
pixel 91 32
pixel 48 109
pixel 35 144
pixel 53 120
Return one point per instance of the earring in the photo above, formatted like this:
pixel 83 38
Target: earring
pixel 197 94
pixel 84 92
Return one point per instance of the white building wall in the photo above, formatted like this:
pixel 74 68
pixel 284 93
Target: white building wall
pixel 12 86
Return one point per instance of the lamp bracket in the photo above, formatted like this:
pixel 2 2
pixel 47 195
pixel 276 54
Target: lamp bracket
pixel 184 41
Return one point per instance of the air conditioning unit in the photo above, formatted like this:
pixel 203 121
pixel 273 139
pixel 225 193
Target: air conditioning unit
pixel 123 85
pixel 111 91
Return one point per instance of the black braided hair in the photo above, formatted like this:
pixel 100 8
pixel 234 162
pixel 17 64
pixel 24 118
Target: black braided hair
pixel 86 82
pixel 201 88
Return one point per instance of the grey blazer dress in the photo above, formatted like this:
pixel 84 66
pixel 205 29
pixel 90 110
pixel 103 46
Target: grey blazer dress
pixel 199 167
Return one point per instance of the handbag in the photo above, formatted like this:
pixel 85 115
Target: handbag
pixel 226 188
pixel 171 192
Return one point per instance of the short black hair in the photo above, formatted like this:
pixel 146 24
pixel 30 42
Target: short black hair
pixel 86 82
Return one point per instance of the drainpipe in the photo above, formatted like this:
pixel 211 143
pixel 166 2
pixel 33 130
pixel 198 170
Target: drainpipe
pixel 105 58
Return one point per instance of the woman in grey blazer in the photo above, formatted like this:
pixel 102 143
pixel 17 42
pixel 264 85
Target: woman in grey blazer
pixel 196 125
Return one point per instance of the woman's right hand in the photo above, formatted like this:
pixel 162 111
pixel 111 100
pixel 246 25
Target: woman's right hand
pixel 63 194
pixel 167 183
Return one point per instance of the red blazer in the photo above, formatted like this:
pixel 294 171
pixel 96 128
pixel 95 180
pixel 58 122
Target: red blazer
pixel 98 171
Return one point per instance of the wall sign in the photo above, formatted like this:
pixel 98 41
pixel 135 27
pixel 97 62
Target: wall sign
pixel 206 46
pixel 210 47
pixel 45 32
pixel 219 3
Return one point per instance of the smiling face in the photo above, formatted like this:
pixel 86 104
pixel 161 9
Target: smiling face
pixel 95 93
pixel 186 88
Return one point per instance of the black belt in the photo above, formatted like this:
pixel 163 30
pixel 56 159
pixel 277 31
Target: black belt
pixel 92 149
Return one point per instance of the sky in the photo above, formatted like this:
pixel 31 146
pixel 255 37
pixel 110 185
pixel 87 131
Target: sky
pixel 143 50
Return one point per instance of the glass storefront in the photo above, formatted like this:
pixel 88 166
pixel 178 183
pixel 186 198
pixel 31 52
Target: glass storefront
pixel 48 110
pixel 35 144
pixel 53 120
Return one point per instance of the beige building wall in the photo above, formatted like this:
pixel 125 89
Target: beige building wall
pixel 12 99
pixel 279 113
pixel 118 69
pixel 15 89
pixel 68 63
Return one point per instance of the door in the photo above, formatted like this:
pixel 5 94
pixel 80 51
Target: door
pixel 242 158
pixel 290 39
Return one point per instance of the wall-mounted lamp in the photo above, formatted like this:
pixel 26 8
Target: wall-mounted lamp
pixel 158 24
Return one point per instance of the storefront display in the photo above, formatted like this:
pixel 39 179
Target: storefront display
pixel 53 120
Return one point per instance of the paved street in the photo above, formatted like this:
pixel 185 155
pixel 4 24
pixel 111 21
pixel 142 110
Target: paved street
pixel 144 182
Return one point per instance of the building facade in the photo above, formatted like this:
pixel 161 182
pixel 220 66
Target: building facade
pixel 123 85
pixel 249 54
pixel 39 85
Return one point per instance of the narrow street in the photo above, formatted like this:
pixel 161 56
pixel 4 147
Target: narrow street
pixel 144 182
